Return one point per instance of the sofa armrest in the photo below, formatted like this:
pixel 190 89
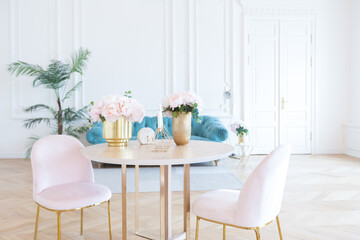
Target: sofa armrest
pixel 95 135
pixel 214 130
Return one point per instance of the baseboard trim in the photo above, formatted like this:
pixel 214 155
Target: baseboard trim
pixel 11 155
pixel 352 140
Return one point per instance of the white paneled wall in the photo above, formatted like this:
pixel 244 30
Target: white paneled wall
pixel 153 47
pixel 352 129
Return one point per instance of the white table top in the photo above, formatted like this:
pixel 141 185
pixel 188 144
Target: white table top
pixel 136 154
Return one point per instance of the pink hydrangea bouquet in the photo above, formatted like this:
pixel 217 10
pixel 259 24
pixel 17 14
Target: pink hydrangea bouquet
pixel 239 128
pixel 112 108
pixel 182 102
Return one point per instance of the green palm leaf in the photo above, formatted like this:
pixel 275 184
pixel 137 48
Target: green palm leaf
pixel 72 90
pixel 55 76
pixel 78 60
pixel 22 68
pixel 38 107
pixel 32 122
pixel 72 115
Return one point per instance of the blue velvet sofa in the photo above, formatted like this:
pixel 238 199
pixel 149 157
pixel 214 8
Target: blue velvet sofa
pixel 210 129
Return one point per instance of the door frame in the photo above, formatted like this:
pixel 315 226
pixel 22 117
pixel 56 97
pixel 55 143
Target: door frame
pixel 249 16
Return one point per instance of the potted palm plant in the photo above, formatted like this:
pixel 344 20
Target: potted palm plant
pixel 61 119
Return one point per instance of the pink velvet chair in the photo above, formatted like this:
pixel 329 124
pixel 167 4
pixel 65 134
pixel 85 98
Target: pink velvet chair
pixel 256 205
pixel 63 179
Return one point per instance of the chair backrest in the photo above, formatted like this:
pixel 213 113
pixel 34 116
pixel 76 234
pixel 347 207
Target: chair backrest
pixel 56 159
pixel 261 196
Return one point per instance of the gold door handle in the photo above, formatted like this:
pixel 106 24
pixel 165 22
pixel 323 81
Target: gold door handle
pixel 282 103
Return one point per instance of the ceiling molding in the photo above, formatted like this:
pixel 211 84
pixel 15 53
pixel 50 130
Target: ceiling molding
pixel 279 7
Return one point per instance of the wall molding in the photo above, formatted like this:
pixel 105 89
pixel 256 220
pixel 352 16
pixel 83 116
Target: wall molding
pixel 352 140
pixel 54 51
pixel 279 7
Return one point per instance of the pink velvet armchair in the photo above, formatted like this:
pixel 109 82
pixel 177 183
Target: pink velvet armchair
pixel 63 179
pixel 256 205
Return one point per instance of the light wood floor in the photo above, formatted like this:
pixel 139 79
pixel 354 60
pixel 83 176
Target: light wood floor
pixel 321 201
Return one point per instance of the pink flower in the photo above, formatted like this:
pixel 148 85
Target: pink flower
pixel 188 98
pixel 95 114
pixel 166 102
pixel 114 107
pixel 175 101
pixel 99 104
pixel 110 112
pixel 126 107
pixel 137 113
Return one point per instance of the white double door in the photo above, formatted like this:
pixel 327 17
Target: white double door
pixel 278 84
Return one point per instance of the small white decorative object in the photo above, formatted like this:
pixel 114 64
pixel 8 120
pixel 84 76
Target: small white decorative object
pixel 160 117
pixel 162 139
pixel 145 136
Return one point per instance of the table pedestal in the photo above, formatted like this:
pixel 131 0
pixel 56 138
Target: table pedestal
pixel 165 204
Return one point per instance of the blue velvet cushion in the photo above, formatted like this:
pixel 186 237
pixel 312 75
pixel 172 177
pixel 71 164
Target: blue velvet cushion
pixel 209 129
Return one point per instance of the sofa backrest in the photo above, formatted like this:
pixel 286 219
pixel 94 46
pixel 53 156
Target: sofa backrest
pixel 209 128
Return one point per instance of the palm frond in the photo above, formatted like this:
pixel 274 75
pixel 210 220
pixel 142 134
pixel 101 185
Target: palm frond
pixel 29 145
pixel 79 60
pixel 70 131
pixel 23 68
pixel 82 129
pixel 38 107
pixel 72 90
pixel 72 115
pixel 54 77
pixel 32 122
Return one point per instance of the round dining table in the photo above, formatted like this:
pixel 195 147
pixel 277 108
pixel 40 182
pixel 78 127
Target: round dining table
pixel 135 154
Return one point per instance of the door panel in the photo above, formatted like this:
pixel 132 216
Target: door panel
pixel 264 85
pixel 295 85
pixel 279 85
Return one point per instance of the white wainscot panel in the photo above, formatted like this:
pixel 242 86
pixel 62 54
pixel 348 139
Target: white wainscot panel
pixel 263 29
pixel 296 137
pixel 352 140
pixel 127 39
pixel 264 116
pixel 31 42
pixel 264 76
pixel 210 49
pixel 295 117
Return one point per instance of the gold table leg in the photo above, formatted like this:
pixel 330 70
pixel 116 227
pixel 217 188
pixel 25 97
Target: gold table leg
pixel 224 232
pixel 123 193
pixel 136 199
pixel 109 219
pixel 187 200
pixel 164 202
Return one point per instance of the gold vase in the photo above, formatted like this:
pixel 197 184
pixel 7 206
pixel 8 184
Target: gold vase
pixel 118 133
pixel 241 139
pixel 182 128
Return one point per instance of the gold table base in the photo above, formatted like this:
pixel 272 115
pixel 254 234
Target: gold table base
pixel 165 203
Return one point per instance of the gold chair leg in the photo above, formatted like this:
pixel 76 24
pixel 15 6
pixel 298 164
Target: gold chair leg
pixel 36 222
pixel 109 216
pixel 82 222
pixel 59 224
pixel 197 228
pixel 224 232
pixel 279 229
pixel 257 232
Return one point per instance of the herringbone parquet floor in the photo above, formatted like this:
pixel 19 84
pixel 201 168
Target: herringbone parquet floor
pixel 321 201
